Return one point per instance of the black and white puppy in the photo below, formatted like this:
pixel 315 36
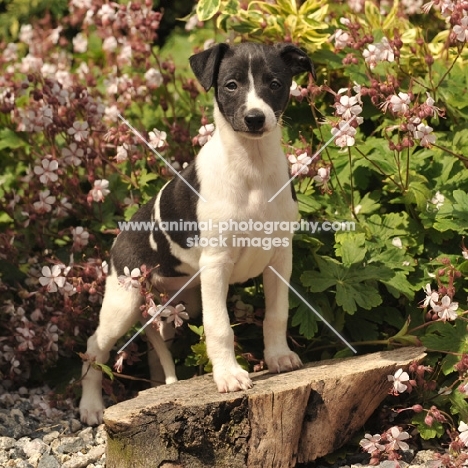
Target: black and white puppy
pixel 231 181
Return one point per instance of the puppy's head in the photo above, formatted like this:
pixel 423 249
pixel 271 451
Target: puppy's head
pixel 251 81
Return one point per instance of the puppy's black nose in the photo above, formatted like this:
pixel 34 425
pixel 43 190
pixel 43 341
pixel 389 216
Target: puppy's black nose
pixel 255 120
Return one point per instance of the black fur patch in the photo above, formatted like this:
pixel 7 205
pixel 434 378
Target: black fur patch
pixel 178 204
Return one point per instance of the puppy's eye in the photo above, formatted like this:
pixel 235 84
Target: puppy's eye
pixel 231 85
pixel 274 85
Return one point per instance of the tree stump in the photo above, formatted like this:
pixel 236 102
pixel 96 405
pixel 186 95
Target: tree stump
pixel 284 419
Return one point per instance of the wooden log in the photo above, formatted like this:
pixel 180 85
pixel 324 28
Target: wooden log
pixel 284 419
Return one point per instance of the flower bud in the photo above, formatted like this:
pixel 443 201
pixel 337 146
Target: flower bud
pixel 417 408
pixel 428 420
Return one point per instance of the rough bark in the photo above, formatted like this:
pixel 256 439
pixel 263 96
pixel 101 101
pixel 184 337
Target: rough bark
pixel 285 419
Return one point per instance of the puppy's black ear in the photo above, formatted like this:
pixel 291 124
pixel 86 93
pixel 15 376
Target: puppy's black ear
pixel 205 64
pixel 296 59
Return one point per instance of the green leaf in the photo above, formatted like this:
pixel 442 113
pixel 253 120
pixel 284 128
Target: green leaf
pixel 105 369
pixel 373 15
pixel 459 404
pixel 306 320
pixel 206 9
pixel 200 331
pixel 425 431
pixel 447 337
pixel 11 139
pixel 351 247
pixel 362 295
pixel 354 284
pixel 307 204
pixel 398 283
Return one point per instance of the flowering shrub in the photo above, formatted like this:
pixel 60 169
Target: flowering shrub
pixel 71 170
pixel 378 142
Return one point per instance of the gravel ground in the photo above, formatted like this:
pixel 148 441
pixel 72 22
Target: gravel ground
pixel 35 435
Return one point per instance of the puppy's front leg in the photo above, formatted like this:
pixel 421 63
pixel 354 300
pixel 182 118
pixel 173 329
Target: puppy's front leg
pixel 227 374
pixel 278 356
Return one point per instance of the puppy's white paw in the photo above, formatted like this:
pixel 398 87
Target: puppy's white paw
pixel 91 412
pixel 283 362
pixel 232 380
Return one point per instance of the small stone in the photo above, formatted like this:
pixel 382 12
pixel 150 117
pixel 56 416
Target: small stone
pixel 75 425
pixel 84 461
pixel 34 459
pixel 48 461
pixel 19 464
pixel 4 457
pixel 17 415
pixel 67 445
pixel 48 438
pixel 101 436
pixel 36 446
pixel 20 443
pixel 87 435
pixel 7 443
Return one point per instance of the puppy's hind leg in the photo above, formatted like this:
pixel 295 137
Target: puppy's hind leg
pixel 160 356
pixel 160 360
pixel 119 311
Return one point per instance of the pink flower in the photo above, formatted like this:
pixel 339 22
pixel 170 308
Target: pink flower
pixel 398 104
pixel 322 177
pixel 379 52
pixel 396 437
pixel 130 279
pixel 107 14
pixel 122 153
pixel 52 278
pixel 79 131
pixel 432 297
pixel 175 314
pixel 26 33
pixel 461 31
pixel 72 155
pixel 100 190
pixel 430 108
pixel 205 133
pixel 46 200
pixel 154 78
pixel 398 381
pixel 300 164
pixel 341 38
pixel 118 365
pixel 157 138
pixel 295 89
pixel 46 171
pixel 80 43
pixel 80 237
pixel 25 338
pixel 348 106
pixel 424 134
pixel 109 44
pixel 370 443
pixel 446 309
pixel 463 430
pixel 344 134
